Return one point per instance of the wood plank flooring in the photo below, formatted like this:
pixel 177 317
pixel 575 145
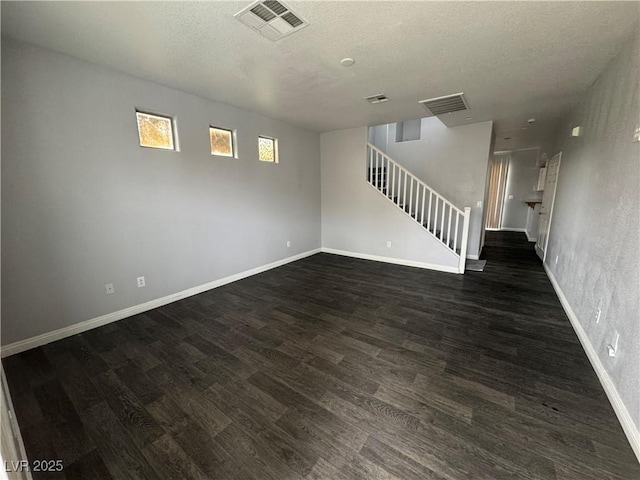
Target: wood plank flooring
pixel 331 368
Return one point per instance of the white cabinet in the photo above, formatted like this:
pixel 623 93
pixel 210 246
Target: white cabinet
pixel 542 176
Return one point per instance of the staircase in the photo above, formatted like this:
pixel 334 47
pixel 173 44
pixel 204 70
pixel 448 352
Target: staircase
pixel 439 217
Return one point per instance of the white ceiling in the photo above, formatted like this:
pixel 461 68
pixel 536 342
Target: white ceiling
pixel 513 60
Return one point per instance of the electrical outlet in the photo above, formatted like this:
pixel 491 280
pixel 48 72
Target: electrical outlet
pixel 556 259
pixel 636 134
pixel 288 243
pixel 141 282
pixel 479 204
pixel 612 348
pixel 510 197
pixel 108 288
pixel 598 313
pixel 389 244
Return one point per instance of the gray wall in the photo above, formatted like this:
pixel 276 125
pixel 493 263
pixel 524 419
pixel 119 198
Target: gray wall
pixel 378 136
pixel 83 205
pixel 595 226
pixel 356 218
pixel 453 161
pixel 409 130
pixel 522 179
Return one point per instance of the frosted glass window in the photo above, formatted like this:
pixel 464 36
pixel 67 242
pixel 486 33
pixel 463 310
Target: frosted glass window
pixel 155 131
pixel 221 142
pixel 267 149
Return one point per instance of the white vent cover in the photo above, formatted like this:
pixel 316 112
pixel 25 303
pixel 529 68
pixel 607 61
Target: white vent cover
pixel 446 104
pixel 380 98
pixel 271 18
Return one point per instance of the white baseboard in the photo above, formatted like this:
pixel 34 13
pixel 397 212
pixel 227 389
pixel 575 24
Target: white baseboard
pixel 76 328
pixel 624 417
pixel 473 257
pixel 530 238
pixel 396 261
pixel 507 229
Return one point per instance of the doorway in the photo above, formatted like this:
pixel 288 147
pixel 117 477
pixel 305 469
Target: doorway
pixel 546 209
pixel 495 194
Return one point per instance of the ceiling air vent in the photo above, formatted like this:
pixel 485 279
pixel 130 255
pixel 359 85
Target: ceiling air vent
pixel 271 19
pixel 377 99
pixel 446 104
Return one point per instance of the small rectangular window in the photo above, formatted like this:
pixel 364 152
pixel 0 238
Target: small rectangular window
pixel 155 131
pixel 268 149
pixel 221 142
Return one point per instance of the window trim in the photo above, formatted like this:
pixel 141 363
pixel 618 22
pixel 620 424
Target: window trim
pixel 174 130
pixel 234 142
pixel 276 157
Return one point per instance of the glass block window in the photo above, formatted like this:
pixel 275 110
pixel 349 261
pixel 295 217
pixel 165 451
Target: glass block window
pixel 267 149
pixel 221 142
pixel 155 131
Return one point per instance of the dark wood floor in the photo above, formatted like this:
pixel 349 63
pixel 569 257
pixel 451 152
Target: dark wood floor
pixel 331 368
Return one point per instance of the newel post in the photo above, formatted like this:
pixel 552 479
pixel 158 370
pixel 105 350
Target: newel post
pixel 465 238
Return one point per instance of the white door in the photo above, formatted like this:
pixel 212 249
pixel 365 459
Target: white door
pixel 546 209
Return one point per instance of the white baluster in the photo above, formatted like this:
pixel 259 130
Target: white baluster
pixel 410 195
pixel 404 198
pixel 435 217
pixel 429 212
pixel 455 239
pixel 442 220
pixel 424 193
pixel 371 165
pixel 449 227
pixel 393 184
pixel 392 176
pixel 386 176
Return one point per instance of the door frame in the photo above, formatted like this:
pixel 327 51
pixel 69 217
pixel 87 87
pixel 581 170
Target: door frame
pixel 500 188
pixel 553 204
pixel 12 444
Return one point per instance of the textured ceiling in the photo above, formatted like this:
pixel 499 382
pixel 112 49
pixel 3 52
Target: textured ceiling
pixel 513 60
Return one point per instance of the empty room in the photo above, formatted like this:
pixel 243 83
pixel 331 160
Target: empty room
pixel 320 240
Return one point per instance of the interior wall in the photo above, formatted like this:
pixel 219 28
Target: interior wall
pixel 522 181
pixel 378 136
pixel 409 130
pixel 453 161
pixel 595 229
pixel 358 219
pixel 84 205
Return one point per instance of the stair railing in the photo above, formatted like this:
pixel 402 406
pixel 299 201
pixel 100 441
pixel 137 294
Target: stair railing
pixel 438 216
